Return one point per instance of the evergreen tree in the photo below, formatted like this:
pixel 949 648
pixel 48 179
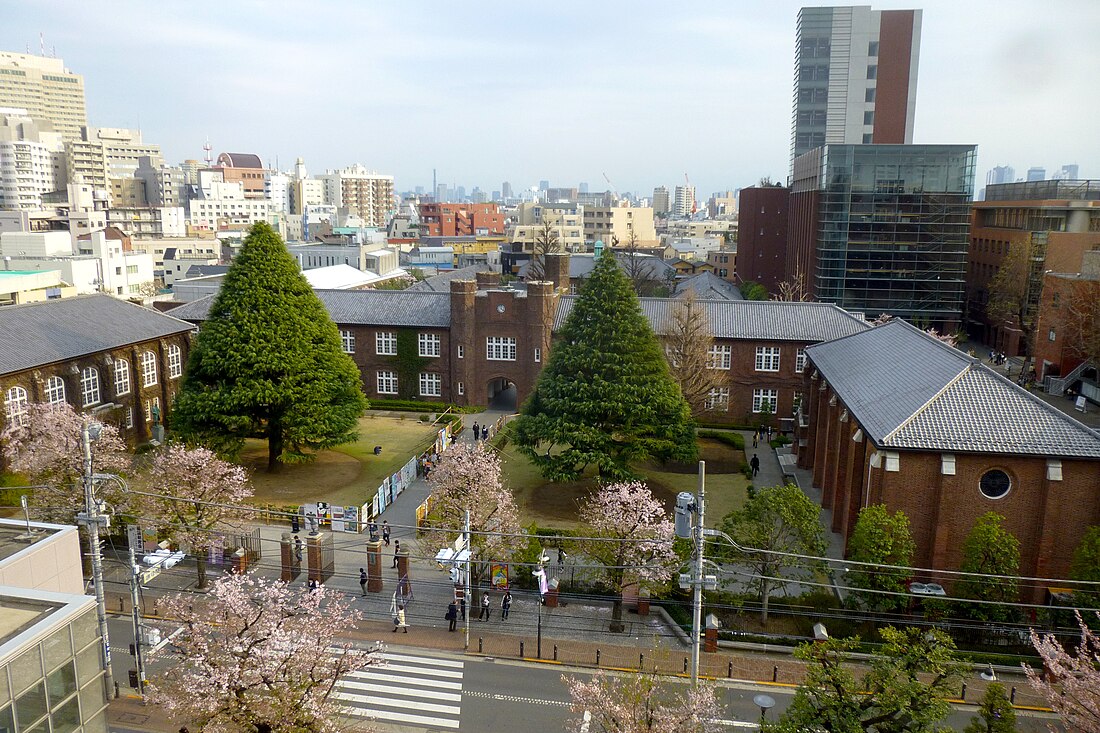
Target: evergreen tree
pixel 1086 567
pixel 990 549
pixel 995 712
pixel 268 363
pixel 606 397
pixel 882 539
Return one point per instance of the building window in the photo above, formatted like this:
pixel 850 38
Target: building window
pixel 538 354
pixel 461 351
pixel 500 348
pixel 1052 335
pixel 89 386
pixel 129 417
pixel 347 341
pixel 387 382
pixel 461 388
pixel 429 344
pixel 872 72
pixel 55 390
pixel 994 484
pixel 431 385
pixel 869 95
pixel 872 48
pixel 762 397
pixel 719 357
pixel 767 358
pixel 868 138
pixel 385 343
pixel 122 377
pixel 869 117
pixel 718 398
pixel 800 361
pixel 15 406
pixel 175 362
pixel 148 369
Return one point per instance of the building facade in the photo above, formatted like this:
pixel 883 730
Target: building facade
pixel 46 89
pixel 358 192
pixel 244 168
pixel 449 220
pixel 762 235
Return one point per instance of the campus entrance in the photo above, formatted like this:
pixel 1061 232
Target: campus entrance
pixel 502 395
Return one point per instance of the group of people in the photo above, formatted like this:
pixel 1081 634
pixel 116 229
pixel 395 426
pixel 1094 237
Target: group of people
pixel 372 528
pixel 457 608
pixel 480 432
pixel 761 433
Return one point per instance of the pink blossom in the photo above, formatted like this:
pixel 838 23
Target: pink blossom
pixel 1071 683
pixel 630 704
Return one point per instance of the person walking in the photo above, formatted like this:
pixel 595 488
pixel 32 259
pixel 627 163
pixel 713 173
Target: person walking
pixel 484 432
pixel 462 606
pixel 386 532
pixel 313 586
pixel 363 580
pixel 396 552
pixel 373 529
pixel 399 620
pixel 505 604
pixel 452 616
pixel 755 437
pixel 755 464
pixel 477 431
pixel 484 615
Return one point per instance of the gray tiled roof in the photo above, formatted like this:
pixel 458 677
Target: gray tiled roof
pixel 581 265
pixel 361 308
pixel 441 283
pixel 708 286
pixel 37 334
pixel 758 320
pixel 911 391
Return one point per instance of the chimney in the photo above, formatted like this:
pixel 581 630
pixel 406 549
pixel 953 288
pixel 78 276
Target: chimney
pixel 556 267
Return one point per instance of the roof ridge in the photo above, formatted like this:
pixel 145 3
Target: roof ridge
pixel 917 412
pixel 1043 405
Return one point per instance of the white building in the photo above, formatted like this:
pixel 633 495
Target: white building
pixel 277 191
pixel 360 192
pixel 96 265
pixel 225 207
pixel 32 160
pixel 683 202
pixel 46 89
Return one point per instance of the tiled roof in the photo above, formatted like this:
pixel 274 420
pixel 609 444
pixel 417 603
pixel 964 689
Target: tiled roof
pixel 757 320
pixel 361 308
pixel 581 265
pixel 909 390
pixel 708 286
pixel 37 334
pixel 441 283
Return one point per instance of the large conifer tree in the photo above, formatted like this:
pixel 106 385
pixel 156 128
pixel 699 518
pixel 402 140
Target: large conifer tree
pixel 606 397
pixel 268 363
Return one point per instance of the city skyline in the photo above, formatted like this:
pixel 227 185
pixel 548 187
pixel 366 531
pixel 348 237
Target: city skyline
pixel 712 81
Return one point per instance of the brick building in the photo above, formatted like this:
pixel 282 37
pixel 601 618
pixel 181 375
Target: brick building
pixel 452 220
pixel 762 235
pixel 896 417
pixel 245 168
pixel 92 351
pixel 1067 308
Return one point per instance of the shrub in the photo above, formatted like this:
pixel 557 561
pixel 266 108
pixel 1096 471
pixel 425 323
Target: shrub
pixel 734 440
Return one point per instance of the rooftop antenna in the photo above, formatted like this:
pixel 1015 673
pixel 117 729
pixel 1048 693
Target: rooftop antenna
pixel 208 156
pixel 41 43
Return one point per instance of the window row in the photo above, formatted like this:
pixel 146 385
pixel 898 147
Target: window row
pixel 497 348
pixel 720 356
pixel 431 383
pixel 719 399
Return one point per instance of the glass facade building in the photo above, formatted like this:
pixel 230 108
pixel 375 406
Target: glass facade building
pixel 891 228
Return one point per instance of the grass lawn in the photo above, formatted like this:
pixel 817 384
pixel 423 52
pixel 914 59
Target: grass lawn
pixel 556 504
pixel 349 474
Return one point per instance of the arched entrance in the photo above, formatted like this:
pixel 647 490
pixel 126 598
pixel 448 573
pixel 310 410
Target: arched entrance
pixel 502 394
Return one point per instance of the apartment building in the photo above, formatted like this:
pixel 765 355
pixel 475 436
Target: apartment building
pixel 46 89
pixel 358 192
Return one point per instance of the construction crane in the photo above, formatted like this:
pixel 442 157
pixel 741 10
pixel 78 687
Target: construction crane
pixel 614 191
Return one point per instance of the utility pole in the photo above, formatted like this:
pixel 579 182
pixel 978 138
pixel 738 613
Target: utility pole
pixel 466 579
pixel 686 505
pixel 92 519
pixel 135 578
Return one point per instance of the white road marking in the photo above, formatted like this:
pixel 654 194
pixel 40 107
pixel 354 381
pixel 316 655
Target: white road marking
pixel 400 690
pixel 385 674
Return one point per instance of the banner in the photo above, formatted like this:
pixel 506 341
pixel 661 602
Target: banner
pixel 351 519
pixel 498 575
pixel 337 513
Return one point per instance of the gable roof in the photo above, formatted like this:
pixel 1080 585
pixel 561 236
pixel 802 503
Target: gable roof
pixel 911 391
pixel 708 286
pixel 36 334
pixel 581 265
pixel 754 320
pixel 360 308
pixel 441 283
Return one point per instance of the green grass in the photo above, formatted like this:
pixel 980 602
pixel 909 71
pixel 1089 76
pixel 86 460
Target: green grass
pixel 349 474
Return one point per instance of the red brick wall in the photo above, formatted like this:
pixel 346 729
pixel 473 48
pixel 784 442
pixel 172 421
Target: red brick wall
pixel 762 235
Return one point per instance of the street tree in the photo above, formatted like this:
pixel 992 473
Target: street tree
pixel 1082 320
pixel 468 479
pixel 1070 680
pixel 258 655
pixel 268 363
pixel 995 712
pixel 989 550
pixel 640 268
pixel 48 450
pixel 753 291
pixel 793 289
pixel 631 540
pixel 886 542
pixel 1013 292
pixel 547 241
pixel 196 498
pixel 777 519
pixel 637 703
pixel 1086 568
pixel 687 348
pixel 906 688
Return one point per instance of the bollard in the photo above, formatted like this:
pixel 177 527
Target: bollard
pixel 555 652
pixel 641 662
pixel 1012 696
pixel 120 606
pixel 729 670
pixel 775 673
pixel 116 690
pixel 685 665
pixel 962 696
pixel 480 641
pixel 597 657
pixel 521 649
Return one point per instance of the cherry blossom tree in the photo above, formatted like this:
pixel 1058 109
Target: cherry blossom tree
pixel 257 655
pixel 635 704
pixel 632 539
pixel 47 450
pixel 196 493
pixel 468 479
pixel 1071 683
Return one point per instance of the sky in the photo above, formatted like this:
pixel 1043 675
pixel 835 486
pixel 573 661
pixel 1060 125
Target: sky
pixel 643 92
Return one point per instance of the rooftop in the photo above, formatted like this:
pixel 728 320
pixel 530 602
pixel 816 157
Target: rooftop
pixel 361 308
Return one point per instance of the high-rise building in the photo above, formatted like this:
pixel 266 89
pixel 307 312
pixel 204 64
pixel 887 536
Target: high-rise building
pixel 46 89
pixel 582 187
pixel 683 202
pixel 355 191
pixel 506 190
pixel 1069 172
pixel 1000 174
pixel 1036 173
pixel 661 205
pixel 32 160
pixel 855 77
pixel 762 235
pixel 543 185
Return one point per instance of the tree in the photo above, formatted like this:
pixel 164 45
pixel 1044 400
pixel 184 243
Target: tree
pixel 884 540
pixel 777 519
pixel 687 347
pixel 468 479
pixel 793 289
pixel 547 242
pixel 638 267
pixel 753 291
pixel 606 397
pixel 907 687
pixel 636 704
pixel 1013 293
pixel 1086 567
pixel 1082 320
pixel 257 655
pixel 268 363
pixel 196 493
pixel 48 451
pixel 632 539
pixel 995 712
pixel 990 549
pixel 1070 681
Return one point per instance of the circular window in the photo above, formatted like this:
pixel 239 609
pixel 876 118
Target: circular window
pixel 994 484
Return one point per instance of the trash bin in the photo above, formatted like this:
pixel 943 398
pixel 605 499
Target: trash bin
pixel 552 593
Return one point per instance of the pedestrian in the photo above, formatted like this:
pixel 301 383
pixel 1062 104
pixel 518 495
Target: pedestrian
pixel 755 437
pixel 298 549
pixel 313 585
pixel 477 431
pixel 386 532
pixel 561 558
pixel 755 464
pixel 484 615
pixel 399 620
pixel 396 552
pixel 452 616
pixel 373 529
pixel 462 606
pixel 363 580
pixel 484 432
pixel 769 433
pixel 505 604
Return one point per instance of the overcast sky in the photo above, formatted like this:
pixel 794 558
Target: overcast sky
pixel 567 91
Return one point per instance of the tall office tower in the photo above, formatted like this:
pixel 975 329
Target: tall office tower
pixel 506 190
pixel 582 187
pixel 1037 173
pixel 661 205
pixel 855 77
pixel 1000 174
pixel 46 89
pixel 543 185
pixel 1068 172
pixel 683 202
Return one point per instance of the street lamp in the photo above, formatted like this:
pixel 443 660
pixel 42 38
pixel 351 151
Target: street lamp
pixel 765 703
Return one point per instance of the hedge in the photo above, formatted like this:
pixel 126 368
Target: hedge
pixel 734 440
pixel 419 406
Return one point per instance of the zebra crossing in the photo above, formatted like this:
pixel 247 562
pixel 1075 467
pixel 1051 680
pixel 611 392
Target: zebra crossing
pixel 409 689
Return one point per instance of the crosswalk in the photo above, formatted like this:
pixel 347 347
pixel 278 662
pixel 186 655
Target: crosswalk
pixel 408 689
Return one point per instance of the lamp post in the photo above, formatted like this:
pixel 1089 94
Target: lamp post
pixel 765 703
pixel 92 520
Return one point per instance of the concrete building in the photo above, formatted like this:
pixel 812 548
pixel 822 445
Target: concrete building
pixel 46 89
pixel 123 149
pixel 227 207
pixel 243 168
pixel 32 286
pixel 450 220
pixel 148 222
pixel 1036 173
pixel 28 172
pixel 661 202
pixel 565 219
pixel 1069 306
pixel 619 224
pixel 304 193
pixel 855 77
pixel 356 191
pixel 724 263
pixel 683 202
pixel 165 185
pixel 762 235
pixel 277 191
pixel 177 249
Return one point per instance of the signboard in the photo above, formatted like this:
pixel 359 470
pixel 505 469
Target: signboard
pixel 337 513
pixel 1081 404
pixel 498 575
pixel 351 519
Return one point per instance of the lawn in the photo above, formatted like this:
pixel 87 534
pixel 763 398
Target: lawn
pixel 555 504
pixel 349 474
